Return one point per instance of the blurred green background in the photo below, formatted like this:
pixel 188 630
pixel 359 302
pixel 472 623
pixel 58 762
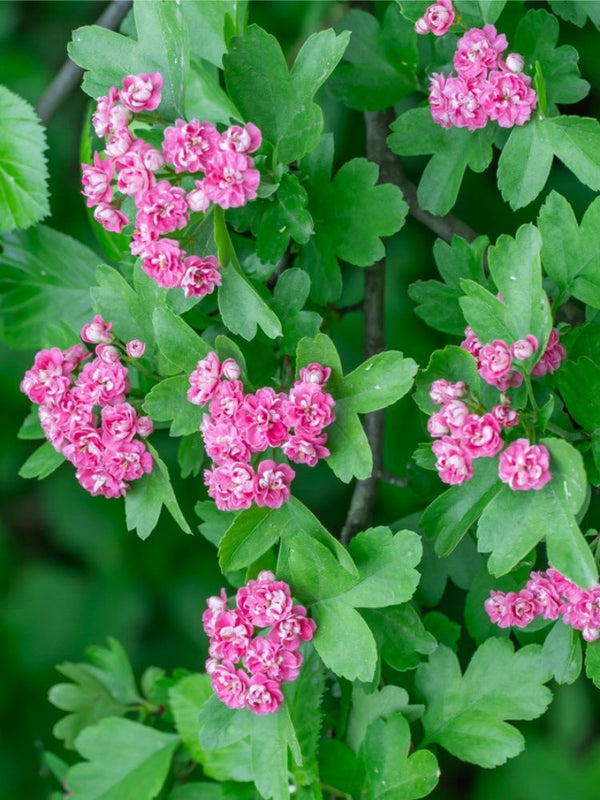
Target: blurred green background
pixel 70 573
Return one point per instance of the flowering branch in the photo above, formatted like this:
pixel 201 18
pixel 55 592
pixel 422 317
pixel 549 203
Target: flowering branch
pixel 69 74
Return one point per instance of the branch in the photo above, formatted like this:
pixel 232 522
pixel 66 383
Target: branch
pixel 69 75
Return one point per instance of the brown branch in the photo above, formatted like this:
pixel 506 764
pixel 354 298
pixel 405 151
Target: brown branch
pixel 69 75
pixel 393 480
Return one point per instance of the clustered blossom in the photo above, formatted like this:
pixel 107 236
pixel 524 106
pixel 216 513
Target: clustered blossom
pixel 486 85
pixel 549 595
pixel 246 666
pixel 197 165
pixel 495 360
pixel 84 413
pixel 240 425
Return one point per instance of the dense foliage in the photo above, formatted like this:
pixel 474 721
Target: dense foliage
pixel 233 355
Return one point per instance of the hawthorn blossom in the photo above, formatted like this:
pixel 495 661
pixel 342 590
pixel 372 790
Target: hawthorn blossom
pixel 141 92
pixel 524 466
pixel 454 464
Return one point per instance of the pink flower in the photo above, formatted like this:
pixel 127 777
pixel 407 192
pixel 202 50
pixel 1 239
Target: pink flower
pixel 96 181
pixel 119 117
pixel 119 143
pixel 439 17
pixel 264 695
pixel 563 585
pixel 101 116
pixel 524 348
pixel 272 484
pixel 309 409
pixel 231 635
pixel 471 343
pixel 231 486
pixel 495 361
pixel 197 199
pixel 100 383
pixel 135 348
pixel 295 628
pixel 189 146
pixel 222 441
pixel 453 463
pixel 480 436
pixel 264 601
pixel 547 594
pixel 505 415
pixel 165 207
pixel 201 276
pixel 443 391
pixel 514 62
pixel 525 466
pixel 226 401
pixel 128 461
pixel 110 218
pixel 230 179
pixel 48 377
pixel 229 684
pixel 97 331
pixel 85 448
pixel 437 426
pixel 118 423
pixel 453 414
pixel 241 140
pixel 107 353
pixel 553 355
pixel 74 356
pixel 498 609
pixel 144 426
pixel 478 51
pixel 141 92
pixel 306 449
pixel 204 380
pixel 261 419
pixel 163 262
pixel 266 656
pixel 464 106
pixel 230 369
pixel 133 177
pixel 512 609
pixel 438 100
pixel 98 480
pixel 215 605
pixel 152 159
pixel 315 373
pixel 508 98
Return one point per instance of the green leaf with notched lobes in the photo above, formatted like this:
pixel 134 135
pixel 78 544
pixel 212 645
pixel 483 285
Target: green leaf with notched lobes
pixel 379 64
pixel 23 169
pixel 123 759
pixel 393 774
pixel 167 402
pixel 276 99
pixel 178 343
pixel 415 133
pixel 42 462
pixel 285 216
pixel 466 714
pixel 289 297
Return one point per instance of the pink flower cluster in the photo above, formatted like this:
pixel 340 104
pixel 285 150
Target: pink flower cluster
pixel 438 19
pixel 549 595
pixel 241 425
pixel 463 435
pixel 495 360
pixel 84 413
pixel 237 635
pixel 486 86
pixel 155 179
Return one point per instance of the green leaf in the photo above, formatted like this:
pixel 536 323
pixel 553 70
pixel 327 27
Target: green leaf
pixel 569 252
pixel 42 462
pixel 278 101
pixel 579 382
pixel 577 11
pixel 124 759
pixel 415 134
pixel 252 532
pixel 466 714
pixel 241 307
pixel 271 736
pixel 31 428
pixel 378 382
pixel 44 276
pixel 116 300
pixel 289 296
pixel 179 343
pixel 437 302
pixel 215 523
pixel 562 653
pixel 477 13
pixel 400 635
pixel 536 38
pixel 393 774
pixel 145 499
pixel 454 511
pixel 285 216
pixel 367 707
pixel 340 768
pixel 162 45
pixel 379 64
pixel 167 402
pixel 101 688
pixel 514 522
pixel 353 655
pixel 351 214
pixel 526 159
pixel 452 363
pixel 208 22
pixel 23 168
pixel 517 273
pixel 592 662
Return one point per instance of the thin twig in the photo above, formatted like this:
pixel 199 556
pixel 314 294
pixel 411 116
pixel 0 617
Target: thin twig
pixel 393 480
pixel 68 76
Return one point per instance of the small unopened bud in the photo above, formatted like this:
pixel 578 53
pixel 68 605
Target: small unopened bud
pixel 524 348
pixel 230 369
pixel 153 160
pixel 144 426
pixel 515 62
pixel 107 353
pixel 135 348
pixel 421 26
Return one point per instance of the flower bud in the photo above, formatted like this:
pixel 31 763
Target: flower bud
pixel 144 426
pixel 230 369
pixel 135 348
pixel 107 353
pixel 524 348
pixel 421 26
pixel 515 62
